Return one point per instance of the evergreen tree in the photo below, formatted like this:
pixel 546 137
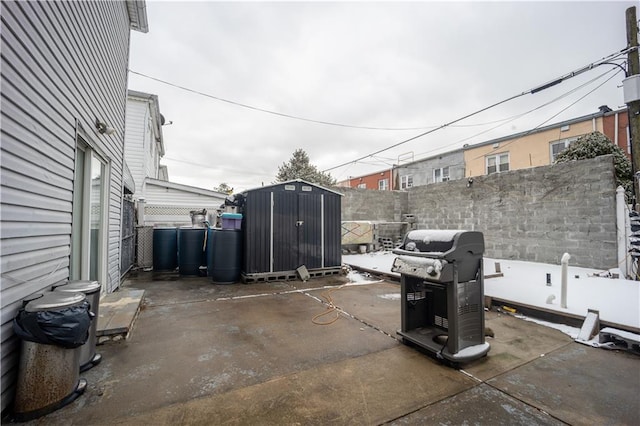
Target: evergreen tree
pixel 299 167
pixel 595 144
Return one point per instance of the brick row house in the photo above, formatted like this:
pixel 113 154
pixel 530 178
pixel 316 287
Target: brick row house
pixel 532 148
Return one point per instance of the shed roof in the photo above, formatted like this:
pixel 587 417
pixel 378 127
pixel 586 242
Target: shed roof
pixel 293 181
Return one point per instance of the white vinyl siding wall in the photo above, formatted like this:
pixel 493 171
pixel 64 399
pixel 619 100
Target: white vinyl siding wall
pixel 142 151
pixel 64 64
pixel 170 203
pixel 135 148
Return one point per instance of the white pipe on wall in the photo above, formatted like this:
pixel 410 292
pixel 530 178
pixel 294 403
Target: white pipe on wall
pixel 563 292
pixel 621 233
pixel 615 130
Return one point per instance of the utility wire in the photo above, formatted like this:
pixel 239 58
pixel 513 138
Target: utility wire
pixel 517 116
pixel 550 118
pixel 530 91
pixel 564 95
pixel 328 123
pixel 426 133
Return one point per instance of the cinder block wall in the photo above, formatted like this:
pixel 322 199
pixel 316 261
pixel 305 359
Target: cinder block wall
pixel 532 215
pixel 367 204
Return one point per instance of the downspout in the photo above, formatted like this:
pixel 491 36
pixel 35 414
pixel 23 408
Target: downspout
pixel 563 291
pixel 621 230
pixel 615 129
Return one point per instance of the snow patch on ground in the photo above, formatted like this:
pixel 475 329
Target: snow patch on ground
pixel 616 299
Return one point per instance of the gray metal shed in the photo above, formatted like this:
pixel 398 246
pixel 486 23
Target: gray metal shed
pixel 289 225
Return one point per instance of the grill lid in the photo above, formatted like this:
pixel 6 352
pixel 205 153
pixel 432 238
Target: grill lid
pixel 448 244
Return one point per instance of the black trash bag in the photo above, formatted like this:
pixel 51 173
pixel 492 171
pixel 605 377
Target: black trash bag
pixel 234 200
pixel 67 327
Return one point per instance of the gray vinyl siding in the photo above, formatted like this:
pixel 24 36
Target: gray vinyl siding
pixel 64 64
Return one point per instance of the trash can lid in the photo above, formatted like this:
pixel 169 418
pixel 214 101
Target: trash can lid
pixel 52 300
pixel 231 215
pixel 82 286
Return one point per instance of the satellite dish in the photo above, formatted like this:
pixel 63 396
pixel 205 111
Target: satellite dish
pixel 161 120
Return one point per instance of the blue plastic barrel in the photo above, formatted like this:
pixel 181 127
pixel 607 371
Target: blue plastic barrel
pixel 225 255
pixel 165 249
pixel 191 250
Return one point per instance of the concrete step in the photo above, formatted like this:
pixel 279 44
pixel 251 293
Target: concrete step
pixel 117 314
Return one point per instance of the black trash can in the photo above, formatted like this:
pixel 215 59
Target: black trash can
pixel 91 289
pixel 53 327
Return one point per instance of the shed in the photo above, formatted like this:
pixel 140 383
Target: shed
pixel 289 225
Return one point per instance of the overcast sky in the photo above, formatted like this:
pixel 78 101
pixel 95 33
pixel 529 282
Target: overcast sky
pixel 389 65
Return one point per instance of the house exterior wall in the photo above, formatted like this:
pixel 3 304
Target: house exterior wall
pixel 53 86
pixel 422 171
pixel 616 127
pixel 526 150
pixel 168 203
pixel 135 140
pixel 144 144
pixel 371 181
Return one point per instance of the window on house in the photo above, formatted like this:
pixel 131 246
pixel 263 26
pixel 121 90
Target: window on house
pixel 441 175
pixel 362 185
pixel 383 184
pixel 406 181
pixel 557 147
pixel 497 163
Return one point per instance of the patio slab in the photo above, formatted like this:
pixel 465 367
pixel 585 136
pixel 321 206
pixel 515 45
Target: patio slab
pixel 480 405
pixel 250 354
pixel 579 384
pixel 182 351
pixel 366 390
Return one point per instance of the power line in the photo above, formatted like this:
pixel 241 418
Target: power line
pixel 550 118
pixel 209 166
pixel 280 114
pixel 530 91
pixel 564 95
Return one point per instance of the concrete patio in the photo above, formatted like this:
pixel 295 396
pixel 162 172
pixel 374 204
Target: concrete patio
pixel 200 353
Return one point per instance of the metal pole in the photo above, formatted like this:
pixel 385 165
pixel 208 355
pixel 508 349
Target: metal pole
pixel 633 107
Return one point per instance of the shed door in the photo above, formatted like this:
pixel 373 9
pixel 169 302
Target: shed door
pixel 297 230
pixel 310 230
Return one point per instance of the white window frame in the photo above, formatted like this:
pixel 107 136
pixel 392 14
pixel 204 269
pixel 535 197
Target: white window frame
pixel 565 142
pixel 362 185
pixel 383 184
pixel 81 224
pixel 441 174
pixel 406 181
pixel 498 164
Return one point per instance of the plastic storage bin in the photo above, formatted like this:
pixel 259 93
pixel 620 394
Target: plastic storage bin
pixel 231 220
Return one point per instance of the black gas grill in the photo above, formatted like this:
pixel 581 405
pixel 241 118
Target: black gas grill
pixel 442 286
